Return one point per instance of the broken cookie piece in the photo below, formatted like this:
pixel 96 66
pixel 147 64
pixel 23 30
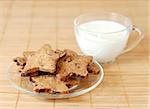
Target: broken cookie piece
pixel 72 65
pixel 45 59
pixel 49 84
pixel 93 68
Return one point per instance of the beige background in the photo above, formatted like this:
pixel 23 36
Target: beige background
pixel 28 24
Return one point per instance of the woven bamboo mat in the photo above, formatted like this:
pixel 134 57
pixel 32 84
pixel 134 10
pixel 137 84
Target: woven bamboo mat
pixel 28 24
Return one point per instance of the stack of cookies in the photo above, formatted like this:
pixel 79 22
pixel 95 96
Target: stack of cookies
pixel 55 71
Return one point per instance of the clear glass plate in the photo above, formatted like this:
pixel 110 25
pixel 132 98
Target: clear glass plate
pixel 24 84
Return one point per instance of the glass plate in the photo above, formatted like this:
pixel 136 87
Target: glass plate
pixel 23 84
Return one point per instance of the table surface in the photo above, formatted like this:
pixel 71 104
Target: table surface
pixel 28 24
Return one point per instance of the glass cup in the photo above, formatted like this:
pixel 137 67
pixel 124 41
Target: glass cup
pixel 105 46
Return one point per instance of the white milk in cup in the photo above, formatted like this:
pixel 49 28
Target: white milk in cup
pixel 105 35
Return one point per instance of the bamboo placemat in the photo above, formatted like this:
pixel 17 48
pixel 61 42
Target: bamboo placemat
pixel 28 24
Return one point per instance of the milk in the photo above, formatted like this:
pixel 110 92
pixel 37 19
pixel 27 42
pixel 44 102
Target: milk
pixel 101 38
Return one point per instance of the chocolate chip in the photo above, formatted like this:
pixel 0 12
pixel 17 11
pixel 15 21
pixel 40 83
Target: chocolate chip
pixel 15 60
pixel 24 64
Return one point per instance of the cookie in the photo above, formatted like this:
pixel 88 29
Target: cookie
pixel 49 84
pixel 93 68
pixel 72 64
pixel 44 59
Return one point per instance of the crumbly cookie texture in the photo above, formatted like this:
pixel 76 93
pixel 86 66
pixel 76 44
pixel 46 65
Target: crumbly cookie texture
pixel 93 68
pixel 71 82
pixel 72 64
pixel 20 61
pixel 31 72
pixel 44 59
pixel 28 54
pixel 49 84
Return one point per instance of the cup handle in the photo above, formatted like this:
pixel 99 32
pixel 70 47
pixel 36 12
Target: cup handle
pixel 136 42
